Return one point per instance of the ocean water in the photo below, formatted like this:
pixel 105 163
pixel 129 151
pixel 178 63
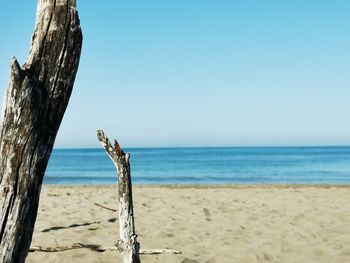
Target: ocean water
pixel 263 165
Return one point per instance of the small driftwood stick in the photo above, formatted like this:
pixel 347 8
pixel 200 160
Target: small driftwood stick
pixel 105 207
pixel 74 246
pixel 100 248
pixel 127 244
pixel 157 251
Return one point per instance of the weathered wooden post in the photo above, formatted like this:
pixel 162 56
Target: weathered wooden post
pixel 35 103
pixel 127 244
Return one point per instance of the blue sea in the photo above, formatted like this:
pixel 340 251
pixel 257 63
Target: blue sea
pixel 262 165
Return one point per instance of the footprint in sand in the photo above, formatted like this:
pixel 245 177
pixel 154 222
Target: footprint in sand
pixel 188 260
pixel 207 214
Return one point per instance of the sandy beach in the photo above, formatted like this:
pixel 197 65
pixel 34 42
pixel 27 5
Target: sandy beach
pixel 208 224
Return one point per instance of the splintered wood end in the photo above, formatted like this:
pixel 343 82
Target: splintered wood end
pixel 117 149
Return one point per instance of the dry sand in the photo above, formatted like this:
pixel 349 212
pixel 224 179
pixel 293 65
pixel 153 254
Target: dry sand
pixel 208 224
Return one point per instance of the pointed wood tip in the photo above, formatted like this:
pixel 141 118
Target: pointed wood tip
pixel 16 70
pixel 117 149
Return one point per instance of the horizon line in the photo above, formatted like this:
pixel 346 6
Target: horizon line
pixel 206 147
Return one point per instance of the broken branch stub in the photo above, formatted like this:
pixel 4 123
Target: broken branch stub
pixel 127 244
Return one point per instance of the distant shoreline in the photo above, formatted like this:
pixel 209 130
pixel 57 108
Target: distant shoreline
pixel 205 186
pixel 208 147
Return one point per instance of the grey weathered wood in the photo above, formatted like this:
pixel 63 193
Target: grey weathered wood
pixel 36 99
pixel 105 207
pixel 100 248
pixel 127 244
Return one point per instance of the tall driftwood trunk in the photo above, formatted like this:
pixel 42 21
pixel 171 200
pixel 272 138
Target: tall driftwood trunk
pixel 34 105
pixel 127 244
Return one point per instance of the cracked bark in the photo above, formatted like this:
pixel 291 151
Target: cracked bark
pixel 35 102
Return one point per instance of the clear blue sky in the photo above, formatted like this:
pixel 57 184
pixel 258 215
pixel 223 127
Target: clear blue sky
pixel 202 73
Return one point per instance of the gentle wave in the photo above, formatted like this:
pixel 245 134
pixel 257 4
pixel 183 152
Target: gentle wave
pixel 295 165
